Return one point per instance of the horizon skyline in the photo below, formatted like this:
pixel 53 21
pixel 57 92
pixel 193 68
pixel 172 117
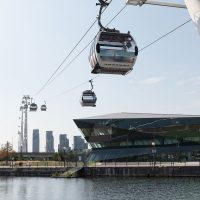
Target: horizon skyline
pixel 55 145
pixel 165 77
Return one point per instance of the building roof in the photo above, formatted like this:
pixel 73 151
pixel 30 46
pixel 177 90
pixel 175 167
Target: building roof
pixel 125 115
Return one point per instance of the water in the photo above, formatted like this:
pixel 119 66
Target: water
pixel 99 188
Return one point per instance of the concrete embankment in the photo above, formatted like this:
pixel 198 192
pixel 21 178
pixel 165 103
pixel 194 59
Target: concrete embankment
pixel 164 171
pixel 31 171
pixel 100 171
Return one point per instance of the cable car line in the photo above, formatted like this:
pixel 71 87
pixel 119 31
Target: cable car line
pixel 77 86
pixel 161 37
pixel 56 70
pixel 70 62
pixel 51 79
pixel 84 48
pixel 145 47
pixel 73 88
pixel 46 83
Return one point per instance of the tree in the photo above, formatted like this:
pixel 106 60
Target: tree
pixel 6 151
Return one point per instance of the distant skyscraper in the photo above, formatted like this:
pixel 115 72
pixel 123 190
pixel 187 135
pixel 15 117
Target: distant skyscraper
pixel 63 143
pixel 49 142
pixel 36 141
pixel 79 143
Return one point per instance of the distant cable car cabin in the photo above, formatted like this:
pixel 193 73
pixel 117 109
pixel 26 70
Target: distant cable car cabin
pixel 43 107
pixel 88 97
pixel 113 53
pixel 25 106
pixel 33 107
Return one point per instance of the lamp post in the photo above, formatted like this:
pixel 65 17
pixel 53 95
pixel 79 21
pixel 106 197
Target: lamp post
pixel 153 150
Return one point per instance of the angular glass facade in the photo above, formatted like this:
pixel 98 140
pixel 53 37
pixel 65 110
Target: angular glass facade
pixel 127 134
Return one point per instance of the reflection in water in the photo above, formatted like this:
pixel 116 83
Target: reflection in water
pixel 99 188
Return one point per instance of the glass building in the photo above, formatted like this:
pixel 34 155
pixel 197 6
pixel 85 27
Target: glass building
pixel 63 143
pixel 49 142
pixel 36 141
pixel 125 135
pixel 79 143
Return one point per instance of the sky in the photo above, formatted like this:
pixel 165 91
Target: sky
pixel 36 36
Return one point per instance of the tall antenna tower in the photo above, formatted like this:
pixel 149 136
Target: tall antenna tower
pixel 23 133
pixel 26 99
pixel 27 105
pixel 20 133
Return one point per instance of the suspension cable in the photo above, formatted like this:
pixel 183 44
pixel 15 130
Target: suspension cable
pixel 46 83
pixel 74 88
pixel 56 76
pixel 161 37
pixel 145 47
pixel 56 70
pixel 153 42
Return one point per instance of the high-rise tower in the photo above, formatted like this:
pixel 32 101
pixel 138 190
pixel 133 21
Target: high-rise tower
pixel 49 141
pixel 36 141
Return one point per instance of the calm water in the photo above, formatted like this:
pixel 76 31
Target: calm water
pixel 99 188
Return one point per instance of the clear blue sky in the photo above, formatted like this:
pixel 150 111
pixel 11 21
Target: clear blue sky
pixel 36 36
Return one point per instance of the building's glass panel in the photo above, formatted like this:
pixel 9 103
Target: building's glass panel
pixel 170 141
pixel 191 139
pixel 148 142
pixel 122 137
pixel 137 132
pixel 96 145
pixel 141 142
pixel 103 131
pixel 121 144
pixel 87 131
pixel 129 143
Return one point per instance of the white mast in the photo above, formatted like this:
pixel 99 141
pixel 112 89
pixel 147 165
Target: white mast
pixel 193 7
pixel 20 133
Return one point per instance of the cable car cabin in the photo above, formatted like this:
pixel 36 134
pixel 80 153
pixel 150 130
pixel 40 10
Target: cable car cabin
pixel 88 98
pixel 43 108
pixel 25 106
pixel 113 53
pixel 33 107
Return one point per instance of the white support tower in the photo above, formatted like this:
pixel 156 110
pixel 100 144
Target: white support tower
pixel 27 102
pixel 23 133
pixel 193 7
pixel 27 105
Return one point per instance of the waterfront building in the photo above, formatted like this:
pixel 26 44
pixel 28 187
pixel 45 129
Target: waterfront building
pixel 123 136
pixel 36 141
pixel 49 141
pixel 63 143
pixel 79 143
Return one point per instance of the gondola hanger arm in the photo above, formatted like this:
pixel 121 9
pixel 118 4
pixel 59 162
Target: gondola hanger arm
pixel 157 3
pixel 91 84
